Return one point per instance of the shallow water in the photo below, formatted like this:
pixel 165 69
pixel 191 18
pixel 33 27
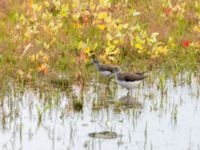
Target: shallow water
pixel 168 119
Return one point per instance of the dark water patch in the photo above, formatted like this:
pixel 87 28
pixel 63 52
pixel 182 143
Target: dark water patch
pixel 77 105
pixel 103 135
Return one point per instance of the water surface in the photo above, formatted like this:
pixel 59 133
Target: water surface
pixel 168 117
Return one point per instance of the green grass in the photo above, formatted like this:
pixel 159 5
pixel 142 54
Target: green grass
pixel 65 50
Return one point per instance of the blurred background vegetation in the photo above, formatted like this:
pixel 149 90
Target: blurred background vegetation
pixel 52 37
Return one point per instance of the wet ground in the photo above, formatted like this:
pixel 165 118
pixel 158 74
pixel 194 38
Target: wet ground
pixel 159 115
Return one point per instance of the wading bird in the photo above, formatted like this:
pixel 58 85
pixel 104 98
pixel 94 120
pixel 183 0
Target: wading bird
pixel 128 80
pixel 105 69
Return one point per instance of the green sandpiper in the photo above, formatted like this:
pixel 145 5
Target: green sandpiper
pixel 128 80
pixel 106 70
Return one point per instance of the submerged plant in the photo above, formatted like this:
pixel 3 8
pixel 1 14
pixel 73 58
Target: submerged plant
pixel 78 105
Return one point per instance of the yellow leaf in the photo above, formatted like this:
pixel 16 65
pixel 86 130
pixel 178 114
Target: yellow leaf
pixel 125 26
pixel 30 70
pixel 109 48
pixel 20 73
pixel 116 42
pixel 87 50
pixel 30 2
pixel 75 3
pixel 41 53
pixel 43 69
pixel 80 45
pixel 120 27
pixel 64 10
pixel 33 58
pixel 109 37
pixel 29 77
pixel 160 51
pixel 36 7
pixel 115 52
pixel 132 43
pixel 45 45
pixel 46 3
pixel 139 40
pixel 22 18
pixel 196 28
pixel 138 46
pixel 119 34
pixel 76 16
pixel 95 46
pixel 77 25
pixel 121 40
pixel 154 37
pixel 101 27
pixel 102 15
pixel 45 58
pixel 105 3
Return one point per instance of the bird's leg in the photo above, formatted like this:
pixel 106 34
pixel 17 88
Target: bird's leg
pixel 108 86
pixel 128 92
pixel 131 96
pixel 131 92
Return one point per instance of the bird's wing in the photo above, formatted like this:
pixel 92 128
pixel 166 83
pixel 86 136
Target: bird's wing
pixel 133 76
pixel 107 68
pixel 141 73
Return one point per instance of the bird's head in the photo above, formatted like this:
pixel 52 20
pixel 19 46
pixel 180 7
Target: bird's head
pixel 95 61
pixel 116 70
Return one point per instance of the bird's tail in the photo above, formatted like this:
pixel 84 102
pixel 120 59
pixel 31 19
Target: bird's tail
pixel 144 73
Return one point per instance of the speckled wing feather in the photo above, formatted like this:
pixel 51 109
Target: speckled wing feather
pixel 107 68
pixel 131 76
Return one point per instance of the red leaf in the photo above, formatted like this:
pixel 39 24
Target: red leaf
pixel 167 11
pixel 186 43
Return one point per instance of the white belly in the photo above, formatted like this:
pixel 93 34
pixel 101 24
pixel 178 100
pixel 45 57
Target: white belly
pixel 105 73
pixel 128 85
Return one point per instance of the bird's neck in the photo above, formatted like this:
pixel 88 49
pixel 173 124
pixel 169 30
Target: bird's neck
pixel 116 74
pixel 97 65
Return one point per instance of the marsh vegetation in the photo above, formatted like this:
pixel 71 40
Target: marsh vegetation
pixel 50 98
